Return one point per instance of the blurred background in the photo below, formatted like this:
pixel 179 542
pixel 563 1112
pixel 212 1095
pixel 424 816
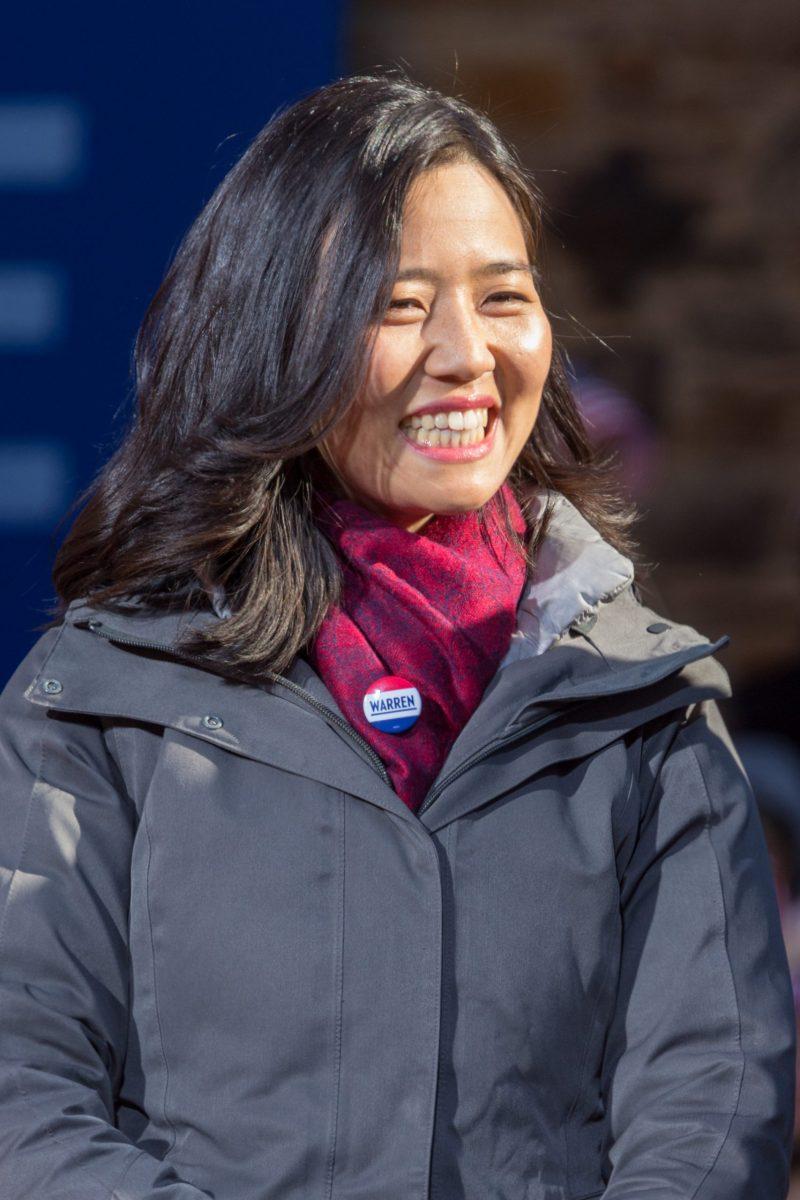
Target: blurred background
pixel 665 139
pixel 116 124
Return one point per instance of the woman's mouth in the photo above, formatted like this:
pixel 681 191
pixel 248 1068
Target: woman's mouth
pixel 453 434
pixel 461 427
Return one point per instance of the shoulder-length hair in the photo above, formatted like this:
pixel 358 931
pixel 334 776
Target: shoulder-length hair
pixel 255 345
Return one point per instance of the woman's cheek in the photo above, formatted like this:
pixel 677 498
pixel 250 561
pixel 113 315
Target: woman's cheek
pixel 533 348
pixel 395 356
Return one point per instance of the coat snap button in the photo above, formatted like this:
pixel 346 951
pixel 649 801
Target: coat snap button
pixel 584 624
pixel 658 627
pixel 212 722
pixel 52 686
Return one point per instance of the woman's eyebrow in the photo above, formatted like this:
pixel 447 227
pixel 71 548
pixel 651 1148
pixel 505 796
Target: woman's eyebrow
pixel 492 268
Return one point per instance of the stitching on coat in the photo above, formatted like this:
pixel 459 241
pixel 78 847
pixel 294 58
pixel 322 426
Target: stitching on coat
pixel 24 842
pixel 339 994
pixel 164 1114
pixel 108 727
pixel 430 1189
pixel 116 1194
pixel 591 1030
pixel 622 812
pixel 693 758
pixel 16 1071
pixel 51 652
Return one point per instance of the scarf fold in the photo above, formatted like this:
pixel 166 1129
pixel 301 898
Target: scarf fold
pixel 436 608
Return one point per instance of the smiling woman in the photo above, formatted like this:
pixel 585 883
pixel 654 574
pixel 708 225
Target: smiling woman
pixel 365 835
pixel 460 359
pixel 375 251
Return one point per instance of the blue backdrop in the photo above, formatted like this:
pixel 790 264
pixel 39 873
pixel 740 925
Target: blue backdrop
pixel 116 124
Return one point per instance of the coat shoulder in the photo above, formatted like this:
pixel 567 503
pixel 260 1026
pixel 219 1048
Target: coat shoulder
pixel 31 666
pixel 629 630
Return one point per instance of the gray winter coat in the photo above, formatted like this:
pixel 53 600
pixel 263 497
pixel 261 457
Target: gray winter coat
pixel 234 964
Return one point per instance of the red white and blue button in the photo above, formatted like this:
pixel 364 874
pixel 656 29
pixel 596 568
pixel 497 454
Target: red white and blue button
pixel 392 704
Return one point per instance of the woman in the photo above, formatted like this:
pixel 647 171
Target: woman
pixel 365 835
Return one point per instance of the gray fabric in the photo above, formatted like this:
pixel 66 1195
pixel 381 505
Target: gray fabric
pixel 575 572
pixel 235 966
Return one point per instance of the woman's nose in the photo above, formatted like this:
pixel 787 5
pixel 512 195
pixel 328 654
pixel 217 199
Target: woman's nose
pixel 458 346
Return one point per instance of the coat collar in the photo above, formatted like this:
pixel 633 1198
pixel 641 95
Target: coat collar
pixel 602 643
pixel 575 572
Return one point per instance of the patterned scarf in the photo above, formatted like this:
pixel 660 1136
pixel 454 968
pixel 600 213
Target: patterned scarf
pixel 436 608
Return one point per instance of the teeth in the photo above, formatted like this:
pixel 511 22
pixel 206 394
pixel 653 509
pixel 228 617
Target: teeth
pixel 444 437
pixel 459 428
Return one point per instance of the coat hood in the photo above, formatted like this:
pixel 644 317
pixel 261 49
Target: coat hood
pixel 575 572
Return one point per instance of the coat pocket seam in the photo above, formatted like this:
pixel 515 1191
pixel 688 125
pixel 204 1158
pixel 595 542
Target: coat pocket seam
pixel 159 1026
pixel 593 1022
pixel 723 933
pixel 338 994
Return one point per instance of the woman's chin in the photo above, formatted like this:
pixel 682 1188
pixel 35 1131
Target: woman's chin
pixel 454 501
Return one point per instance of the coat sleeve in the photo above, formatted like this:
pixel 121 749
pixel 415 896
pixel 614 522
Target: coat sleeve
pixel 65 846
pixel 699 1063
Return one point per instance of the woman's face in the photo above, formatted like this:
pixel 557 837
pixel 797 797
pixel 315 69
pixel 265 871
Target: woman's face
pixel 456 377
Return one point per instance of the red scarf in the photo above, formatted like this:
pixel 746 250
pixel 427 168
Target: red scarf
pixel 436 607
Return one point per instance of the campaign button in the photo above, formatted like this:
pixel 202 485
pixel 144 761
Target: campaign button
pixel 392 704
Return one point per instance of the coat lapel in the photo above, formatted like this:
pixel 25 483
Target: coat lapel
pixel 570 722
pixel 589 689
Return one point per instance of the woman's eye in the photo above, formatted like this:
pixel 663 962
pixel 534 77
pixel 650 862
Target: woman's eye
pixel 410 303
pixel 407 303
pixel 506 296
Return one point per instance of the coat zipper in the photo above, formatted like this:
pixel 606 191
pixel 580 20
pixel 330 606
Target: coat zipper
pixel 112 635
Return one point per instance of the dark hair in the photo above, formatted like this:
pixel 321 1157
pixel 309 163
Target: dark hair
pixel 255 345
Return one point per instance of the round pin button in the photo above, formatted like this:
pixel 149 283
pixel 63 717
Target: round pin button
pixel 392 704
